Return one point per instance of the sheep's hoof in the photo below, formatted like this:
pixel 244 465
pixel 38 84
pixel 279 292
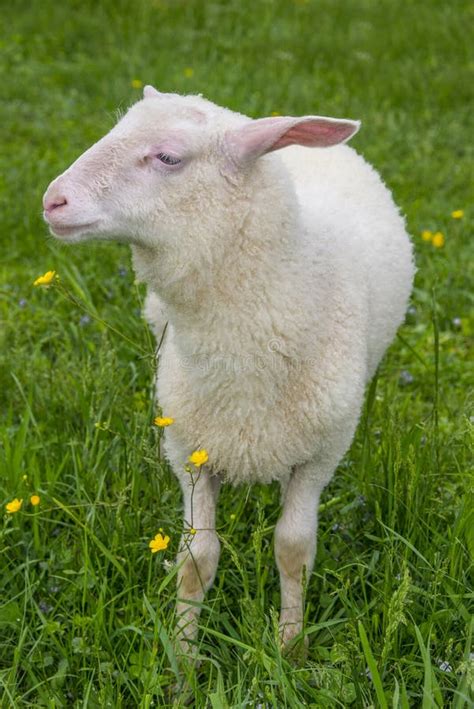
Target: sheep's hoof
pixel 294 643
pixel 181 694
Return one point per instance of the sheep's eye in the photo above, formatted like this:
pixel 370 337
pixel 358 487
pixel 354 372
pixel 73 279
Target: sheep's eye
pixel 168 159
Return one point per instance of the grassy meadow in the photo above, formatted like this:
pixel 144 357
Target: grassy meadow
pixel 86 611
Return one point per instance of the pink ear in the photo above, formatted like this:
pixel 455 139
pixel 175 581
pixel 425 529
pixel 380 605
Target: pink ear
pixel 150 92
pixel 267 134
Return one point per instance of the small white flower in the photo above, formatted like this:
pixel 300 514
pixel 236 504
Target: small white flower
pixel 444 666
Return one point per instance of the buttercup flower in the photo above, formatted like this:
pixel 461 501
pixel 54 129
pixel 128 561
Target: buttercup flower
pixel 35 500
pixel 457 214
pixel 438 240
pixel 137 84
pixel 426 235
pixel 199 457
pixel 159 543
pixel 45 280
pixel 163 421
pixel 192 531
pixel 14 506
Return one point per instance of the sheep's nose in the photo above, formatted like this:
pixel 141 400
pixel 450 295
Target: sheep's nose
pixel 54 203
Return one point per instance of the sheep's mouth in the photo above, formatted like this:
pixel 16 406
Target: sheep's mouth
pixel 70 230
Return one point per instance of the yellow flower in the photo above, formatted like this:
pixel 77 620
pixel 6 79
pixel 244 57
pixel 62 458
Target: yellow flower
pixel 14 505
pixel 199 457
pixel 137 84
pixel 192 531
pixel 159 543
pixel 45 280
pixel 189 72
pixel 35 500
pixel 163 421
pixel 457 214
pixel 426 235
pixel 438 240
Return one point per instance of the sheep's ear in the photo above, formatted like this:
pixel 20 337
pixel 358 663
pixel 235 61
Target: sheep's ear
pixel 150 92
pixel 266 134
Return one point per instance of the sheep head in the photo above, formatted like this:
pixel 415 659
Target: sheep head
pixel 171 166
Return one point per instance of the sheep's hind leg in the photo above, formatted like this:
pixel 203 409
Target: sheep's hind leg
pixel 198 556
pixel 295 544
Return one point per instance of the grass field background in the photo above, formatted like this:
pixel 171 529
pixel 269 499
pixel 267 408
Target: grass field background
pixel 86 612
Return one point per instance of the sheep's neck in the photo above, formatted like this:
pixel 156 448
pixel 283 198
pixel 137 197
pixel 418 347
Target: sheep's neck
pixel 250 264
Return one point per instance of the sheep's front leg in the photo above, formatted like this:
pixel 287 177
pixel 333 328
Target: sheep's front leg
pixel 199 553
pixel 295 545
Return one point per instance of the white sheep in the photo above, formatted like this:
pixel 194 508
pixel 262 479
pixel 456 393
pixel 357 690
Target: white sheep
pixel 283 277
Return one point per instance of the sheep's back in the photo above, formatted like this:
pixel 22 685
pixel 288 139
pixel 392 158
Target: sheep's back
pixel 352 222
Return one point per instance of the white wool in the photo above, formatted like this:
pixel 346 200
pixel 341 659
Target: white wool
pixel 283 275
pixel 267 369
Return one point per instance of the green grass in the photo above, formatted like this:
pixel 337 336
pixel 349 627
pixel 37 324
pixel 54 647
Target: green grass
pixel 86 612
